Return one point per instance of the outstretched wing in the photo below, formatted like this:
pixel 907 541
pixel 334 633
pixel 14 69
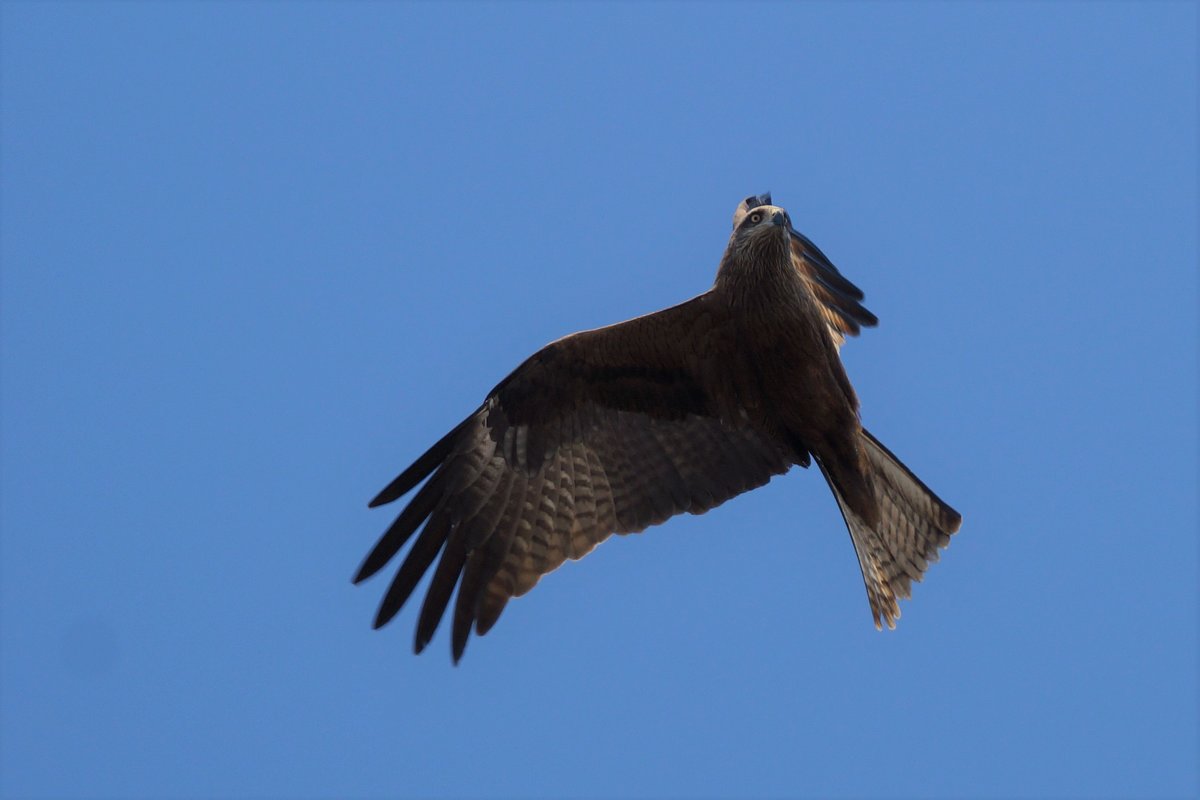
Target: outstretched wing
pixel 839 298
pixel 605 431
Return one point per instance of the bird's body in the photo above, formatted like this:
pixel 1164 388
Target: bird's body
pixel 618 428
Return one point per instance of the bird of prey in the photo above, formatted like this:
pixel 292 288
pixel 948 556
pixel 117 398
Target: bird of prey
pixel 619 428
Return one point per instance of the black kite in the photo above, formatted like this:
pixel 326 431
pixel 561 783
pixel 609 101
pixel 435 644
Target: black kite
pixel 619 428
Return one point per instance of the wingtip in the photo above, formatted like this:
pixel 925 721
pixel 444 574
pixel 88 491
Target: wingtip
pixel 368 568
pixel 383 617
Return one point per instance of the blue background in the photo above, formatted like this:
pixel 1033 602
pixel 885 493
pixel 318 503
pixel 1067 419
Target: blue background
pixel 257 257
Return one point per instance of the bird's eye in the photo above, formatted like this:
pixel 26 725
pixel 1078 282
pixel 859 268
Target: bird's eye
pixel 756 217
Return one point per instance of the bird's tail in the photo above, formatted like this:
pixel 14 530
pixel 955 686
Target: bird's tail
pixel 913 523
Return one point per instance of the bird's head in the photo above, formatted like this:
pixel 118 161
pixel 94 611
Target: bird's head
pixel 751 202
pixel 761 228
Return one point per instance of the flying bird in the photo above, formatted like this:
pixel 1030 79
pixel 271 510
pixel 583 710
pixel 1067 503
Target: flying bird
pixel 619 428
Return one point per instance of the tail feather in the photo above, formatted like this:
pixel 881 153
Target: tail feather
pixel 913 524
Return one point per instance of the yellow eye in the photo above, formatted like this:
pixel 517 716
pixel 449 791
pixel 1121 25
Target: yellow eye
pixel 756 217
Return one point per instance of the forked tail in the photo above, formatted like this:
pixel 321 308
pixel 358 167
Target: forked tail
pixel 913 524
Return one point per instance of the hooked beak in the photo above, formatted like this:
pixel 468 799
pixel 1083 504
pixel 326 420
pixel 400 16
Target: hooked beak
pixel 780 218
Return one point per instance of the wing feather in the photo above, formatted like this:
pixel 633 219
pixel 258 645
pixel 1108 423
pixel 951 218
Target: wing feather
pixel 466 606
pixel 398 533
pixel 606 512
pixel 441 588
pixel 422 554
pixel 607 431
pixel 570 486
pixel 419 469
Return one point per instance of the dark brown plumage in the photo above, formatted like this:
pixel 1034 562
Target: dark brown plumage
pixel 616 429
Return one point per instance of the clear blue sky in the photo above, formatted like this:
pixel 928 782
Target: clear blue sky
pixel 257 257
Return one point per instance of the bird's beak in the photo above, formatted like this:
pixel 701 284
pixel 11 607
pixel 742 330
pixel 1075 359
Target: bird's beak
pixel 780 218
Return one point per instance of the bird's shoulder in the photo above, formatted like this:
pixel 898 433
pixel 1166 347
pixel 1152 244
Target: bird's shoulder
pixel 657 363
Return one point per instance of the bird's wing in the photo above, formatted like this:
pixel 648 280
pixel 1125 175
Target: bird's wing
pixel 840 299
pixel 605 431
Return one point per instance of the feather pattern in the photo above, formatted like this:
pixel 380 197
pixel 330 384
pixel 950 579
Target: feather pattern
pixel 839 298
pixel 616 429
